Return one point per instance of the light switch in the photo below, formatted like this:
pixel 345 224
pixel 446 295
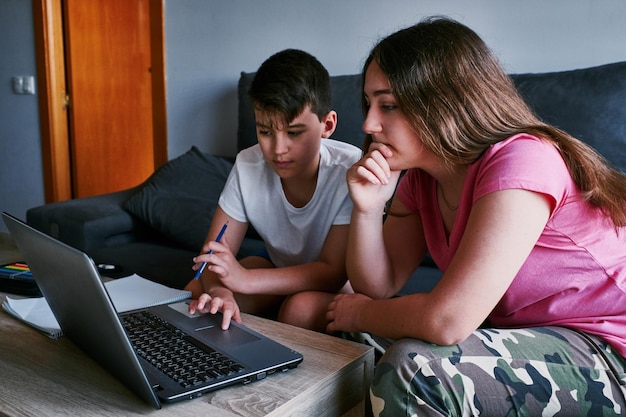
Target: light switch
pixel 23 84
pixel 29 85
pixel 18 85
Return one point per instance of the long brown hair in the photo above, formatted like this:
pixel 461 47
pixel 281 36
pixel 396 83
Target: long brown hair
pixel 454 92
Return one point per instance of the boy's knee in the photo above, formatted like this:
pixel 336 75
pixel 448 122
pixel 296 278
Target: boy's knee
pixel 305 309
pixel 295 308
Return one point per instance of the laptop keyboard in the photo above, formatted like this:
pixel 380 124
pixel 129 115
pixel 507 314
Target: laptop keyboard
pixel 173 352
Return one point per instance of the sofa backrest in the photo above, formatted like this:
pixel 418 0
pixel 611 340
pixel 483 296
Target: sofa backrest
pixel 588 103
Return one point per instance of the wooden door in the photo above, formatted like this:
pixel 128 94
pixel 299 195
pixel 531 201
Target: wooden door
pixel 113 82
pixel 109 83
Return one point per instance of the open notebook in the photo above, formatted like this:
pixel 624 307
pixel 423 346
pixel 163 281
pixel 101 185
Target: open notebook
pixel 129 293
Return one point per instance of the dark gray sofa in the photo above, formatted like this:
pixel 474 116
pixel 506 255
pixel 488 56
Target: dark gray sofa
pixel 156 228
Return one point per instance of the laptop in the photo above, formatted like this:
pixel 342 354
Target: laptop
pixel 72 286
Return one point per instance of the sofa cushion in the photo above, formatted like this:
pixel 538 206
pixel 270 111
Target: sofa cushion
pixel 346 101
pixel 179 199
pixel 588 103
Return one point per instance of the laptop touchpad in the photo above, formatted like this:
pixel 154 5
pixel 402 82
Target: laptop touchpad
pixel 224 338
pixel 212 332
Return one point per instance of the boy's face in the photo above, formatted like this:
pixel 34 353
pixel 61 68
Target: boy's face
pixel 293 150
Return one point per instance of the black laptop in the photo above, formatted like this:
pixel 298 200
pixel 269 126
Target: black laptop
pixel 162 353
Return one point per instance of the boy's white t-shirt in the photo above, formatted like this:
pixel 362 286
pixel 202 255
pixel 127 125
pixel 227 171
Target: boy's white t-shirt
pixel 253 193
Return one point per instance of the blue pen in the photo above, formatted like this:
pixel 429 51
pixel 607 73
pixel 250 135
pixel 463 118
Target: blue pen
pixel 219 237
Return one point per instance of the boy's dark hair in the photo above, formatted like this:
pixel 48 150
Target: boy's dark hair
pixel 287 82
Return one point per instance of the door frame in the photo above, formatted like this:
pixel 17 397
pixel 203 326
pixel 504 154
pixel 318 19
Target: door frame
pixel 54 100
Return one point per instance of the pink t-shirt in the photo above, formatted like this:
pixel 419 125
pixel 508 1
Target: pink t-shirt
pixel 575 275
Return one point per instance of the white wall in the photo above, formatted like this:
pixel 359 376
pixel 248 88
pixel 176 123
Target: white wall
pixel 210 41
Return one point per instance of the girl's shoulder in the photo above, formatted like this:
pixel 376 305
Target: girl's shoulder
pixel 524 146
pixel 522 153
pixel 525 162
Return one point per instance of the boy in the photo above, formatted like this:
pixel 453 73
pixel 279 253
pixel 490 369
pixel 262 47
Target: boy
pixel 291 188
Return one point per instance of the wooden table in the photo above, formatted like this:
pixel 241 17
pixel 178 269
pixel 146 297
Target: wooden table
pixel 44 377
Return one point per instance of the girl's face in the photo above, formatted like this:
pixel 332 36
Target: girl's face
pixel 387 124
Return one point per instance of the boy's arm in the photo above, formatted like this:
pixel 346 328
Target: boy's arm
pixel 327 273
pixel 234 234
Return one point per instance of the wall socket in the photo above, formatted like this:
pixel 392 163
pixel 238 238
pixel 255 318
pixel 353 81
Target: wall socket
pixel 24 84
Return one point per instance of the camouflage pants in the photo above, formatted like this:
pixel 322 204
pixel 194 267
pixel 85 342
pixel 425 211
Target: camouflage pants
pixel 544 371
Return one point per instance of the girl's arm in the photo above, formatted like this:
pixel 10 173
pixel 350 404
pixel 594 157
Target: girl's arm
pixel 502 229
pixel 382 258
pixel 380 262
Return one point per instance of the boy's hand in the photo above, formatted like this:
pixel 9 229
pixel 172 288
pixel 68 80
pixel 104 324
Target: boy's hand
pixel 223 263
pixel 222 301
pixel 196 288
